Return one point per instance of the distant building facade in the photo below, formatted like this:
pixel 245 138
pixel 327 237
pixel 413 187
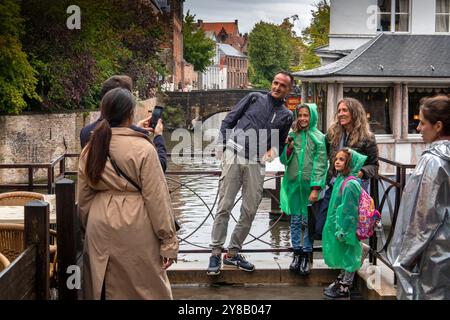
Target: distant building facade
pixel 172 48
pixel 230 67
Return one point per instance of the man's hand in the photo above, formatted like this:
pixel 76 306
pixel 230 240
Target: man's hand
pixel 314 196
pixel 269 155
pixel 158 131
pixel 360 174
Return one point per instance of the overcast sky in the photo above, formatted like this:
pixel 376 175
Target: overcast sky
pixel 250 12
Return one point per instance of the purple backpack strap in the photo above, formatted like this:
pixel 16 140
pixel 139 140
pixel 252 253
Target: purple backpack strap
pixel 345 181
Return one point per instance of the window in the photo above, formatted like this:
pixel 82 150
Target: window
pixel 393 15
pixel 376 103
pixel 414 97
pixel 442 15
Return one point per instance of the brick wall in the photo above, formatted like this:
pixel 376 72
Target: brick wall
pixel 39 138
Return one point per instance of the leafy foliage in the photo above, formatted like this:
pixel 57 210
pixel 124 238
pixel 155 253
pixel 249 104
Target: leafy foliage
pixel 17 76
pixel 198 49
pixel 67 67
pixel 270 50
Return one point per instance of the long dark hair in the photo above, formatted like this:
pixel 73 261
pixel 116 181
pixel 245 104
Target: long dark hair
pixel 437 109
pixel 117 106
pixel 361 128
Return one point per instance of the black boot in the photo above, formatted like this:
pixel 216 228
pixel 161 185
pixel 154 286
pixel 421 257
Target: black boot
pixel 295 264
pixel 305 264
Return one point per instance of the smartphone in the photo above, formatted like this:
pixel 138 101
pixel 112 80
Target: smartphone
pixel 156 114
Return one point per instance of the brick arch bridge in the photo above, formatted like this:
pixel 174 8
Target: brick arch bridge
pixel 201 105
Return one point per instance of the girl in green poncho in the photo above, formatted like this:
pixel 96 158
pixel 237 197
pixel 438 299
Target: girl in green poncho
pixel 305 158
pixel 340 245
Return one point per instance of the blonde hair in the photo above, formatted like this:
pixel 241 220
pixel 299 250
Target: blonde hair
pixel 360 130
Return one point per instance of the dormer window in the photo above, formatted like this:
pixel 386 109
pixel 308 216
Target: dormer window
pixel 393 15
pixel 442 15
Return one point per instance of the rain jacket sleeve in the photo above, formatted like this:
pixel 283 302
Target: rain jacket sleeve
pixel 319 169
pixel 426 218
pixel 347 214
pixel 370 168
pixel 233 117
pixel 158 204
pixel 85 195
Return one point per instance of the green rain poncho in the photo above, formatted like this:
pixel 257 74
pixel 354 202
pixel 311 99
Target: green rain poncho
pixel 340 245
pixel 305 168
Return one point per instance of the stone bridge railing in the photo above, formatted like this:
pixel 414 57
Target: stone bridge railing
pixel 200 105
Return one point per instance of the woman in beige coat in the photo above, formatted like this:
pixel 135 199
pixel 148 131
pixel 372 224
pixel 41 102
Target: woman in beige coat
pixel 130 235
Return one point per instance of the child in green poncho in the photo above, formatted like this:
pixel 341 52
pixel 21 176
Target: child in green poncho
pixel 340 245
pixel 305 158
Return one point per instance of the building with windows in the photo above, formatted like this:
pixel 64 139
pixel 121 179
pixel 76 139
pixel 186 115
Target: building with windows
pixel 388 54
pixel 230 65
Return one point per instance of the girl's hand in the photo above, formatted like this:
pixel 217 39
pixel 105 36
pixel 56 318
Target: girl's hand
pixel 314 196
pixel 290 142
pixel 360 174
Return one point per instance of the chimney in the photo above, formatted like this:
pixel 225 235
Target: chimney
pixel 236 22
pixel 199 22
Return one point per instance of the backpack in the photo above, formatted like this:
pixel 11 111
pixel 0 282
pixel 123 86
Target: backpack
pixel 368 216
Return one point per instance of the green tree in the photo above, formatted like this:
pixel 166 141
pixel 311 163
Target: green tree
pixel 17 76
pixel 198 49
pixel 316 34
pixel 270 50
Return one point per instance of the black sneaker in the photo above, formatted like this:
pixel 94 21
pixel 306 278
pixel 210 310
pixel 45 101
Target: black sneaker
pixel 340 291
pixel 214 265
pixel 238 261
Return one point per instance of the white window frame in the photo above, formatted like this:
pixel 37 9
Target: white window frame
pixel 393 14
pixel 442 14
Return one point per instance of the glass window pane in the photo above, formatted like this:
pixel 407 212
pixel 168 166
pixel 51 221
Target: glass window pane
pixel 401 22
pixel 384 22
pixel 384 5
pixel 442 6
pixel 442 23
pixel 402 6
pixel 376 105
pixel 414 98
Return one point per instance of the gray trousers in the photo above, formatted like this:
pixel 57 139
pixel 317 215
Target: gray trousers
pixel 237 172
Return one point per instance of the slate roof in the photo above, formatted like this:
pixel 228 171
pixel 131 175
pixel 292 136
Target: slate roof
pixel 230 51
pixel 392 55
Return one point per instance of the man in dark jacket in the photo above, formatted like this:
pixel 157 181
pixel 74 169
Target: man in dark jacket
pixel 251 134
pixel 122 81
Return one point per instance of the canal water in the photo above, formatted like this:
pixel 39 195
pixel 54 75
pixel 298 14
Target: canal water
pixel 195 203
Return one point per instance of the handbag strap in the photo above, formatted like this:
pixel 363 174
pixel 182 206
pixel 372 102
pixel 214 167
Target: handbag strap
pixel 122 174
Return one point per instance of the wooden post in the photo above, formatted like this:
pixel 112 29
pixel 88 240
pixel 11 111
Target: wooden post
pixel 304 92
pixel 397 112
pixel 30 178
pixel 37 233
pixel 66 240
pixel 331 105
pixel 405 112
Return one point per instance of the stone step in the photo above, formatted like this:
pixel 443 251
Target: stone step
pixel 371 282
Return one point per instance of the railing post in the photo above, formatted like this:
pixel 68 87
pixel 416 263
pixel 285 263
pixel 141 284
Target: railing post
pixel 30 178
pixel 62 167
pixel 66 239
pixel 37 233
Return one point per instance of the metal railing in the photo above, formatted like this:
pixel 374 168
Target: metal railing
pixel 389 186
pixel 378 243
